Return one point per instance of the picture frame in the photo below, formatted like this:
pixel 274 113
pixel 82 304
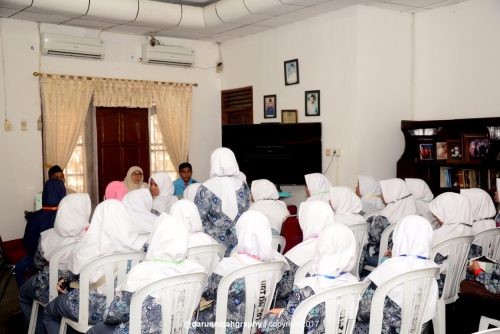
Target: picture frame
pixel 455 151
pixel 426 151
pixel 476 147
pixel 289 116
pixel 291 68
pixel 441 150
pixel 312 103
pixel 269 106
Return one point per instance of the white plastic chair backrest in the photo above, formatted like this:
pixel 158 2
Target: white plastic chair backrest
pixel 302 271
pixel 114 267
pixel 489 331
pixel 490 238
pixel 178 296
pixel 485 322
pixel 279 243
pixel 260 284
pixel 54 267
pixel 341 308
pixel 208 256
pixel 416 287
pixel 458 250
pixel 384 241
pixel 361 234
pixel 371 213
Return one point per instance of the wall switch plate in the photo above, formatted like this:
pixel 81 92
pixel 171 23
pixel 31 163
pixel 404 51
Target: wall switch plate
pixel 328 152
pixel 7 125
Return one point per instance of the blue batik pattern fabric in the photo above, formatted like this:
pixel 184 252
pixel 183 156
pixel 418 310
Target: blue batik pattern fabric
pixel 439 260
pixel 97 304
pixel 491 281
pixel 216 223
pixel 285 285
pixel 377 225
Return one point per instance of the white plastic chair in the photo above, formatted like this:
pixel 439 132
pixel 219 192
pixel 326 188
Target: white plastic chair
pixel 416 286
pixel 490 242
pixel 489 331
pixel 114 268
pixel 458 250
pixel 208 256
pixel 384 244
pixel 53 279
pixel 485 322
pixel 341 308
pixel 361 234
pixel 302 271
pixel 260 284
pixel 279 243
pixel 179 296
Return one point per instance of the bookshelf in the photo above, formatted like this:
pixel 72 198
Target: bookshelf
pixel 452 154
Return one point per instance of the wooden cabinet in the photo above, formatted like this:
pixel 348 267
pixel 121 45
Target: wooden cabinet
pixel 452 154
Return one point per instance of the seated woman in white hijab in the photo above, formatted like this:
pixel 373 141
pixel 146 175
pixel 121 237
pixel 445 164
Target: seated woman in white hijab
pixel 334 257
pixel 71 221
pixel 314 216
pixel 423 196
pixel 138 204
pixel 399 203
pixel 187 213
pixel 266 200
pixel 346 206
pixel 317 187
pixel 410 251
pixel 190 191
pixel 368 189
pixel 162 189
pixel 254 246
pixel 135 179
pixel 111 231
pixel 223 198
pixel 166 257
pixel 482 213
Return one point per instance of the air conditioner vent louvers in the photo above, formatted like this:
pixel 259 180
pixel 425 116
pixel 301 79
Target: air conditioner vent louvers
pixel 167 55
pixel 72 46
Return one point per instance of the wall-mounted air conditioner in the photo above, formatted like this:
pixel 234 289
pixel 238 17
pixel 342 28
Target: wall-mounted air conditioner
pixel 72 46
pixel 167 55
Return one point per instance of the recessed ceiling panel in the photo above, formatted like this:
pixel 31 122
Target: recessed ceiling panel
pixel 235 11
pixel 39 17
pixel 268 7
pixel 70 8
pixel 112 11
pixel 15 4
pixel 154 14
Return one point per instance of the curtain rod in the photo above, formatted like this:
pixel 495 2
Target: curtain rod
pixel 36 74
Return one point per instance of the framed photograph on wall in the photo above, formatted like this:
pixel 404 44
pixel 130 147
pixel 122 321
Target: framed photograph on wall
pixel 476 147
pixel 270 106
pixel 289 116
pixel 312 103
pixel 291 72
pixel 455 152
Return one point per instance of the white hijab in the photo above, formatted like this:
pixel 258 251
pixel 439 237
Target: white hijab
pixel 346 206
pixel 224 181
pixel 71 221
pixel 187 213
pixel 411 249
pixel 138 204
pixel 191 191
pixel 111 231
pixel 166 256
pixel 422 195
pixel 319 187
pixel 163 202
pixel 482 209
pixel 399 200
pixel 454 212
pixel 334 258
pixel 370 192
pixel 313 217
pixel 265 196
pixel 254 244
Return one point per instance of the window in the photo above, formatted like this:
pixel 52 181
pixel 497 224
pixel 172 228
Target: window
pixel 159 159
pixel 74 171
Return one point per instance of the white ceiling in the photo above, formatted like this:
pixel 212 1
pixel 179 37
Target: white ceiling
pixel 193 19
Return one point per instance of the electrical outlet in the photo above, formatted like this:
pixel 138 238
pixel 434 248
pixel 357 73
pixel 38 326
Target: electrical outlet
pixel 336 152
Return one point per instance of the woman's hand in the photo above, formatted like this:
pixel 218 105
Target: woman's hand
pixel 473 267
pixel 276 311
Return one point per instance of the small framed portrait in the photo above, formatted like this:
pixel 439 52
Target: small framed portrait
pixel 289 116
pixel 441 150
pixel 312 103
pixel 426 151
pixel 455 152
pixel 291 72
pixel 476 147
pixel 270 106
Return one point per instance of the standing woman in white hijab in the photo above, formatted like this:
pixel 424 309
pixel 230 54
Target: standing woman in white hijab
pixel 410 251
pixel 266 200
pixel 423 196
pixel 71 221
pixel 166 257
pixel 334 258
pixel 135 179
pixel 223 198
pixel 254 246
pixel 368 189
pixel 317 187
pixel 111 231
pixel 162 189
pixel 346 206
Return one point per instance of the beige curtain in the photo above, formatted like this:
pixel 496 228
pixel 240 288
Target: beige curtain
pixel 173 108
pixel 123 93
pixel 65 101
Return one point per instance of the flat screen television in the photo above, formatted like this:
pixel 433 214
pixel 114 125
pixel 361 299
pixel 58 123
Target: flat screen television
pixel 281 153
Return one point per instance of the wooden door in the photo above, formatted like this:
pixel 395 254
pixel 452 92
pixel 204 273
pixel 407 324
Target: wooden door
pixel 122 142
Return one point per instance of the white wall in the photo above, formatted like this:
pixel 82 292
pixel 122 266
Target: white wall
pixel 457 68
pixel 22 166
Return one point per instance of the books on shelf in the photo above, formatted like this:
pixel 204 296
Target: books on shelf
pixel 452 177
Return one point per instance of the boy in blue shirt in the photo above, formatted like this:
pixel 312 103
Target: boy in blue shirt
pixel 185 171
